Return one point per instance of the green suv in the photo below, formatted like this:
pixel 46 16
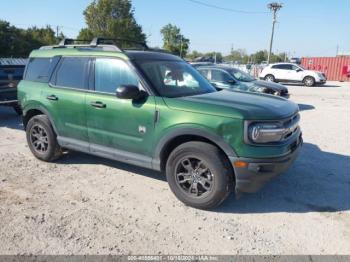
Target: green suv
pixel 154 110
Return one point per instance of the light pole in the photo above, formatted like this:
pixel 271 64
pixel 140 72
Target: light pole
pixel 274 7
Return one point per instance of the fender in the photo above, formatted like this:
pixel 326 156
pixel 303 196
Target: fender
pixel 180 131
pixel 42 109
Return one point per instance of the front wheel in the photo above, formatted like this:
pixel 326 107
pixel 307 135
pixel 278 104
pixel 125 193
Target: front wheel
pixel 270 78
pixel 42 140
pixel 309 81
pixel 199 174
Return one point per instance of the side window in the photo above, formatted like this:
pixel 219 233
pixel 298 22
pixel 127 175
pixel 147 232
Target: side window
pixel 283 67
pixel 112 73
pixel 40 69
pixel 219 76
pixel 277 67
pixel 295 67
pixel 288 67
pixel 73 72
pixel 204 72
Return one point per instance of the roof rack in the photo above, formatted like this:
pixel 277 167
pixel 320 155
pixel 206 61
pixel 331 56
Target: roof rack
pixel 70 41
pixel 118 42
pixel 106 44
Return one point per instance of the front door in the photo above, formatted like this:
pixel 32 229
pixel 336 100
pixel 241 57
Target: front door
pixel 118 124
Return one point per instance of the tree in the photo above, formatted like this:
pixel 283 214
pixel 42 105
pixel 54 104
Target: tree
pixel 111 19
pixel 260 56
pixel 174 41
pixel 46 36
pixel 195 54
pixel 16 42
pixel 85 34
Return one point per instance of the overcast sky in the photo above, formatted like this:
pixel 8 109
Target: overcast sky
pixel 305 28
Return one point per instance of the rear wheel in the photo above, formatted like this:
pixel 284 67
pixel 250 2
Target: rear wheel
pixel 199 175
pixel 270 78
pixel 42 140
pixel 309 81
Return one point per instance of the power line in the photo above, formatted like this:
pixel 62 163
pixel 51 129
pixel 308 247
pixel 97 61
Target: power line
pixel 226 9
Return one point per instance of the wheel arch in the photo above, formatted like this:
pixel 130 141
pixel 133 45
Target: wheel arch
pixel 179 136
pixel 311 76
pixel 30 112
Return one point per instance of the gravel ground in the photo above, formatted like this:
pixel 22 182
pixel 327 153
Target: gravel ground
pixel 88 205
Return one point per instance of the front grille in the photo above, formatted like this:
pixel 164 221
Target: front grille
pixel 291 125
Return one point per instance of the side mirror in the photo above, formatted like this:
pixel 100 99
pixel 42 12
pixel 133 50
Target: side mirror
pixel 128 92
pixel 298 70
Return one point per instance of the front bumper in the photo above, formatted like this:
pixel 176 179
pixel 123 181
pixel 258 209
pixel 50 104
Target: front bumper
pixel 251 178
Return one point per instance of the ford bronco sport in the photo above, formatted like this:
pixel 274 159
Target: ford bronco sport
pixel 152 109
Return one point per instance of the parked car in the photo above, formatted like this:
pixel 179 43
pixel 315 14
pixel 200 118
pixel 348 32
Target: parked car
pixel 154 110
pixel 226 77
pixel 288 72
pixel 10 75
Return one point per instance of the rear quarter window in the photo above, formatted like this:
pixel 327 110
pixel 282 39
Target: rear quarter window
pixel 40 69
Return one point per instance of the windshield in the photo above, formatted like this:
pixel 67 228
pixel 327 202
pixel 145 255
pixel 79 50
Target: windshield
pixel 174 78
pixel 241 76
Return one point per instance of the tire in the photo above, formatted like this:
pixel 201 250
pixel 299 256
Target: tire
pixel 17 109
pixel 41 139
pixel 212 183
pixel 309 81
pixel 269 78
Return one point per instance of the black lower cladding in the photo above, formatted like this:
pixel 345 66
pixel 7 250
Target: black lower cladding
pixel 251 178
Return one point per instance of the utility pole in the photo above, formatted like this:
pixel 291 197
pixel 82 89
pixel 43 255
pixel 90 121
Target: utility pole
pixel 181 46
pixel 274 7
pixel 57 31
pixel 337 52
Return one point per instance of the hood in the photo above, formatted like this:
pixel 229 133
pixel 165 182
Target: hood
pixel 271 85
pixel 235 104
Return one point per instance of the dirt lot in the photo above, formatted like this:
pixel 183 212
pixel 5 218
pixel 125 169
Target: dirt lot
pixel 87 205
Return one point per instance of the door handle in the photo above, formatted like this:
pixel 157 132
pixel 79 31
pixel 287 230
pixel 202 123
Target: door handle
pixel 52 98
pixel 98 104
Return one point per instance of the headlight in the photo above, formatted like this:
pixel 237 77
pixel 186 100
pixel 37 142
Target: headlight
pixel 260 89
pixel 269 132
pixel 265 132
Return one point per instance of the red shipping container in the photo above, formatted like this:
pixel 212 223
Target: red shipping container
pixel 346 70
pixel 335 68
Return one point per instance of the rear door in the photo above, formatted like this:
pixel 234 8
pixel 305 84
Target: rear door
pixel 65 97
pixel 114 123
pixel 281 71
